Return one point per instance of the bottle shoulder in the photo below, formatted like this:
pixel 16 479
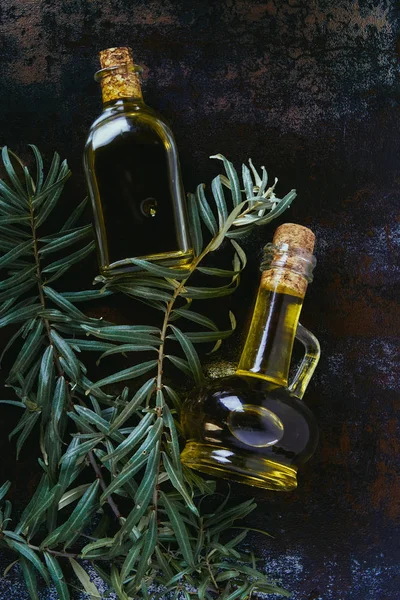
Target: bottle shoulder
pixel 130 111
pixel 130 121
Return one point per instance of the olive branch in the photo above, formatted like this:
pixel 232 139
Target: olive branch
pixel 113 492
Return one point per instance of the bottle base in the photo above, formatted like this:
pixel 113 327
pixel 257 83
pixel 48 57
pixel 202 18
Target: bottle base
pixel 243 468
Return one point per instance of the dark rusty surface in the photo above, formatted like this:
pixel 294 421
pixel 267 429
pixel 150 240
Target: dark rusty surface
pixel 310 89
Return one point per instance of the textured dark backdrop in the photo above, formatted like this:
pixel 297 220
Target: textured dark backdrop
pixel 310 89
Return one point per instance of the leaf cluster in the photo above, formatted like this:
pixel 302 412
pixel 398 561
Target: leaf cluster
pixel 113 491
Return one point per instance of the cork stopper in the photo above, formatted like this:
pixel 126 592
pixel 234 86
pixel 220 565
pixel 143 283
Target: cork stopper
pixel 290 260
pixel 296 236
pixel 118 83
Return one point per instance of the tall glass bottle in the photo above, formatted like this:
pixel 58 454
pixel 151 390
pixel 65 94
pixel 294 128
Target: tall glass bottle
pixel 253 427
pixel 133 175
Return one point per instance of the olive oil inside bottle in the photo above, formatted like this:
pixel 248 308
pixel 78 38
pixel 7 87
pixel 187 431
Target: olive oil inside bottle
pixel 269 343
pixel 133 182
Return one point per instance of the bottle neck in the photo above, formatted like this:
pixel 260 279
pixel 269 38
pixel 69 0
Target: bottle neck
pixel 120 83
pixel 268 348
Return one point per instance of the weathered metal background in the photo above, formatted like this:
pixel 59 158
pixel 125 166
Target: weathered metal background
pixel 309 88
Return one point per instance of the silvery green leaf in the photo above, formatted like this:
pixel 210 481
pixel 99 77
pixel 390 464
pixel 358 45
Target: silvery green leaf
pixel 241 592
pixel 70 259
pixel 131 558
pixel 23 248
pixel 147 293
pixel 11 197
pixel 176 401
pixel 41 507
pixel 219 198
pixel 57 576
pixel 17 290
pixel 89 345
pixel 117 584
pixel 65 350
pixel 20 314
pixel 29 554
pixel 4 489
pixel 84 578
pixel 29 183
pixel 190 315
pixel 30 578
pixel 80 516
pixel 19 188
pixel 179 528
pixel 29 425
pixel 124 348
pixel 162 561
pixel 68 467
pixel 125 333
pixel 64 304
pixel 18 277
pixel 125 475
pixel 126 374
pixel 53 171
pixel 248 182
pixel 46 378
pixel 200 337
pixel 150 541
pixel 49 197
pixel 205 210
pixel 137 434
pixel 179 485
pixel 37 498
pixel 13 403
pixel 180 363
pixel 58 242
pixel 80 449
pixel 233 179
pixel 191 354
pixel 279 208
pixel 142 394
pixel 144 492
pixel 39 167
pixel 158 270
pixel 205 293
pixel 218 272
pixel 85 295
pixel 72 495
pixel 75 216
pixel 59 402
pixel 20 332
pixel 257 178
pixel 195 225
pixel 94 419
pixel 173 441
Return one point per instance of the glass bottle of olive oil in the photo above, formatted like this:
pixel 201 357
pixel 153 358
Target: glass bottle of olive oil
pixel 253 427
pixel 133 175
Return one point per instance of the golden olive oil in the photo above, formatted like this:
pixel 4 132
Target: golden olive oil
pixel 253 427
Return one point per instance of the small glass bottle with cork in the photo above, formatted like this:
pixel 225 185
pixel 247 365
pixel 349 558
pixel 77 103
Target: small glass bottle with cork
pixel 253 427
pixel 133 175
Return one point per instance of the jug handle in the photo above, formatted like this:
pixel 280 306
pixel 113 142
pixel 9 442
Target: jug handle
pixel 307 366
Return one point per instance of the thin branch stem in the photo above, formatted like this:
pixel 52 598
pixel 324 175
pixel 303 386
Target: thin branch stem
pixel 60 370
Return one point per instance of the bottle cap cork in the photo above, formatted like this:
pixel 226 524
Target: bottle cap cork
pixel 289 260
pixel 295 236
pixel 112 57
pixel 118 83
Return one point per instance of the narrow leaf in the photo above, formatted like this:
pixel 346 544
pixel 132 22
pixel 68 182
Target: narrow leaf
pixel 179 528
pixel 57 576
pixel 126 374
pixel 191 354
